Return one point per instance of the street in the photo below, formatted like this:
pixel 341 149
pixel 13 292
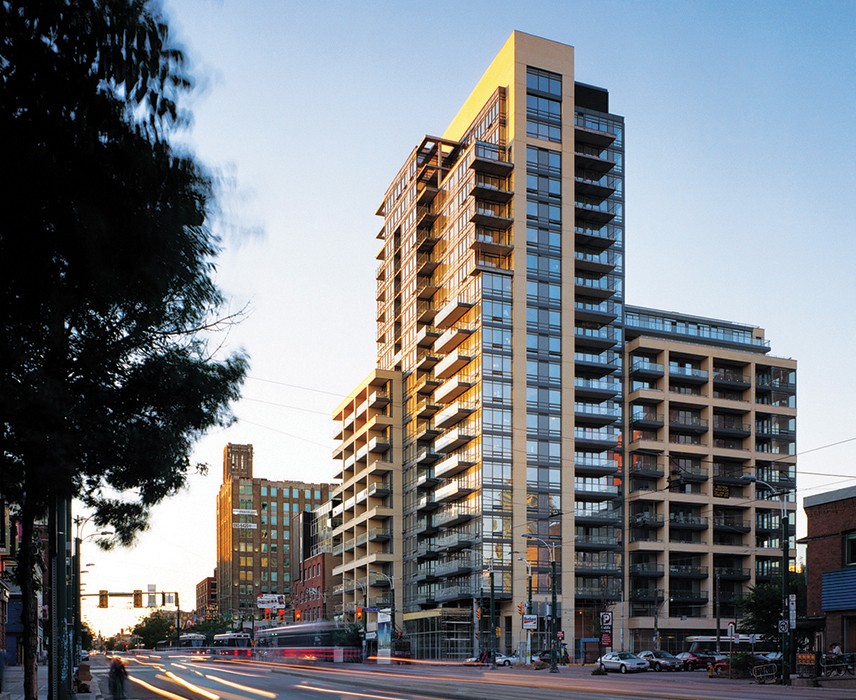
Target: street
pixel 154 676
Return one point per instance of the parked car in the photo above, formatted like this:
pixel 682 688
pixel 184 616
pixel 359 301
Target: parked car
pixel 507 660
pixel 699 659
pixel 661 660
pixel 721 667
pixel 622 661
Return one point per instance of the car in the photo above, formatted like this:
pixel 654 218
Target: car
pixel 622 661
pixel 698 659
pixel 661 660
pixel 507 660
pixel 721 667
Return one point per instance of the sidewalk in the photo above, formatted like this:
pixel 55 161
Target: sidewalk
pixel 13 685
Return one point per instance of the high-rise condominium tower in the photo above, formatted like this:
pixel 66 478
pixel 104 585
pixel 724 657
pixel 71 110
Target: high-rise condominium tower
pixel 494 432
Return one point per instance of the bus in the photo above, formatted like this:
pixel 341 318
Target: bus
pixel 191 643
pixel 310 641
pixel 750 643
pixel 232 644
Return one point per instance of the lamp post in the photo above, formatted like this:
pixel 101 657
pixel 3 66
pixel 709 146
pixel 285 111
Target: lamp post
pixel 528 608
pixel 554 641
pixel 79 523
pixel 786 671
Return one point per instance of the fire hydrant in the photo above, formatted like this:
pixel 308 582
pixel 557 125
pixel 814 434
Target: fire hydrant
pixel 710 670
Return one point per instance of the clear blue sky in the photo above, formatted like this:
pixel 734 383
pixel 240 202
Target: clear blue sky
pixel 741 174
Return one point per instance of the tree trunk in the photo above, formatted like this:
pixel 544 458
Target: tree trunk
pixel 29 610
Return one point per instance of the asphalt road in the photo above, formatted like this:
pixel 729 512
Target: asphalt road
pixel 154 677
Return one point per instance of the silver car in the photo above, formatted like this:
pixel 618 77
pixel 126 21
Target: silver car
pixel 662 660
pixel 622 661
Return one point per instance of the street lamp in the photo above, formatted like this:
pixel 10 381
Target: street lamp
pixel 749 478
pixel 80 522
pixel 554 630
pixel 528 608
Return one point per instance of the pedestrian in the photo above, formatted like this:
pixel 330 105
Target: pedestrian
pixel 834 649
pixel 118 674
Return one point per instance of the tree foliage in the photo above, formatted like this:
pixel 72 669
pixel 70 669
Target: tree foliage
pixel 762 606
pixel 107 291
pixel 155 627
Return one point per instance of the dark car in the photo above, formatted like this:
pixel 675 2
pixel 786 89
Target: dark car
pixel 698 659
pixel 721 667
pixel 661 660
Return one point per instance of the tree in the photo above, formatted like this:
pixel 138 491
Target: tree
pixel 107 292
pixel 155 628
pixel 762 606
pixel 87 635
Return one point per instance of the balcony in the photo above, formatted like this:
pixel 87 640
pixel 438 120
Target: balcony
pixel 426 336
pixel 609 592
pixel 732 573
pixel 455 438
pixel 647 570
pixel 425 503
pixel 378 489
pixel 586 490
pixel 425 430
pixel 425 312
pixel 451 364
pixel 688 374
pixel 426 239
pixel 491 242
pixel 730 426
pixel 378 445
pixel 688 571
pixel 454 413
pixel 453 311
pixel 596 388
pixel 425 574
pixel 425 526
pixel 727 523
pixel 602 312
pixel 687 423
pixel 426 385
pixel 646 466
pixel 646 520
pixel 491 159
pixel 426 455
pixel 687 521
pixel 426 479
pixel 455 567
pixel 451 339
pixel 453 388
pixel 425 408
pixel 426 361
pixel 730 379
pixel 647 595
pixel 454 514
pixel 378 399
pixel 426 550
pixel 594 466
pixel 453 541
pixel 426 287
pixel 596 518
pixel 593 568
pixel 452 492
pixel 688 597
pixel 731 474
pixel 379 534
pixel 454 464
pixel 646 369
pixel 641 420
pixel 596 542
pixel 606 438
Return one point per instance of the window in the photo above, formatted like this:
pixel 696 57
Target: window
pixel 850 548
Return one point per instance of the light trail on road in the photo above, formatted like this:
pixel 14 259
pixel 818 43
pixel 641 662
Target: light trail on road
pixel 348 693
pixel 155 689
pixel 192 688
pixel 245 688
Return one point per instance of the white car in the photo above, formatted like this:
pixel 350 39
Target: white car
pixel 622 661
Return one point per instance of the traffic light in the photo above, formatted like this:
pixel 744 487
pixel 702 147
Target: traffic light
pixel 359 615
pixel 103 599
pixel 267 613
pixel 138 599
pixel 281 615
pixel 520 609
pixel 478 613
pixel 297 615
pixel 498 631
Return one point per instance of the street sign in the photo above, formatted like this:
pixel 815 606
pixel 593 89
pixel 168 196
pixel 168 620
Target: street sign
pixel 560 635
pixel 605 618
pixel 606 639
pixel 530 622
pixel 783 626
pixel 792 610
pixel 371 635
